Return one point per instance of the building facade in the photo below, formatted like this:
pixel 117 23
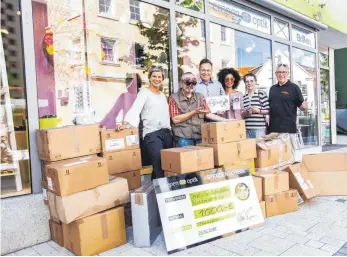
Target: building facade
pixel 79 61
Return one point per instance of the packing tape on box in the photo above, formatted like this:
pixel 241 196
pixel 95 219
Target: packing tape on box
pixel 75 139
pixel 104 226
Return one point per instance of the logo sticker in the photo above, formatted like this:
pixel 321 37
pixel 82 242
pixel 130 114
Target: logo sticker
pixel 242 191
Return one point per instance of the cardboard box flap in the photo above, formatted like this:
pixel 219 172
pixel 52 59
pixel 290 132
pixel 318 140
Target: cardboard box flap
pixel 325 162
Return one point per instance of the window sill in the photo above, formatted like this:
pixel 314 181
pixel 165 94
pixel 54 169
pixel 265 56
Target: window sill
pixel 133 22
pixel 108 17
pixel 110 63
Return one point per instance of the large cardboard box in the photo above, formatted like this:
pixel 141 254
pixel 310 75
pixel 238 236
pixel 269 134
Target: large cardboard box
pixel 223 132
pixel 68 142
pixel 187 159
pixel 274 181
pixel 133 177
pixel 56 229
pixel 113 141
pixel 123 161
pixel 75 175
pixel 273 151
pixel 44 192
pixel 263 208
pixel 82 204
pixel 328 172
pixel 145 216
pixel 229 153
pixel 258 183
pixel 300 180
pixel 281 203
pixel 96 234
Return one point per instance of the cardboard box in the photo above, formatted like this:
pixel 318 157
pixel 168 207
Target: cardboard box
pixel 82 204
pixel 113 141
pixel 229 153
pixel 187 159
pixel 56 229
pixel 44 192
pixel 258 183
pixel 170 174
pixel 223 132
pixel 133 177
pixel 123 161
pixel 300 180
pixel 96 234
pixel 273 151
pixel 263 208
pixel 281 203
pixel 75 175
pixel 328 172
pixel 274 181
pixel 325 162
pixel 68 142
pixel 145 216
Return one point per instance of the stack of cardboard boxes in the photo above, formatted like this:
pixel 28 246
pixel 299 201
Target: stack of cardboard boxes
pixel 86 212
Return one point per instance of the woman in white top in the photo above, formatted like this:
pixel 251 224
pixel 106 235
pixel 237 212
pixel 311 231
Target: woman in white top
pixel 152 108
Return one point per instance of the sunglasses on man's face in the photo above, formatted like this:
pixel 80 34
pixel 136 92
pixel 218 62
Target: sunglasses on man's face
pixel 190 82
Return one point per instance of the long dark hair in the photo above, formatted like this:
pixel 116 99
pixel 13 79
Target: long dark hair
pixel 224 72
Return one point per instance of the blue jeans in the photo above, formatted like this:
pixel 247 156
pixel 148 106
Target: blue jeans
pixel 254 133
pixel 181 142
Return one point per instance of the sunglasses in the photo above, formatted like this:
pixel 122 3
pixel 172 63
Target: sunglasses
pixel 229 79
pixel 282 65
pixel 190 82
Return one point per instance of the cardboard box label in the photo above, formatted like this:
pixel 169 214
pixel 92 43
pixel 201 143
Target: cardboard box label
pixel 49 183
pixel 301 181
pixel 114 144
pixel 132 140
pixel 309 183
pixel 75 163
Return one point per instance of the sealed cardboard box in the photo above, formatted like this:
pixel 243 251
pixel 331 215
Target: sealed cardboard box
pixel 328 172
pixel 228 153
pixel 96 234
pixel 281 203
pixel 44 192
pixel 170 174
pixel 274 181
pixel 68 142
pixel 133 177
pixel 273 151
pixel 223 132
pixel 82 204
pixel 187 159
pixel 258 183
pixel 56 229
pixel 263 208
pixel 300 180
pixel 113 141
pixel 123 161
pixel 145 216
pixel 75 175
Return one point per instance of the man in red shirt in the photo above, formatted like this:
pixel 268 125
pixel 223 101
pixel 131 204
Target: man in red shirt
pixel 188 110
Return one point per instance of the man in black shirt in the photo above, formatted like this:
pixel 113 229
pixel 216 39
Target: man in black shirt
pixel 284 99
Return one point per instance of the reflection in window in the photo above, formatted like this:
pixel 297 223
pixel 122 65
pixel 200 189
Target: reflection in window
pixel 195 5
pixel 325 101
pixel 304 75
pixel 281 29
pixel 203 29
pixel 324 59
pixel 108 50
pixel 105 7
pixel 135 10
pixel 281 54
pixel 191 47
pixel 303 37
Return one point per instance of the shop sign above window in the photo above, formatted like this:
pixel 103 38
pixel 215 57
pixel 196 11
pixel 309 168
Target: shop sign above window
pixel 240 14
pixel 303 37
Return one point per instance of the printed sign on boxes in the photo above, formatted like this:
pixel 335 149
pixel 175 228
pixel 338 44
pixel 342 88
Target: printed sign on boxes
pixel 228 153
pixel 112 141
pixel 218 103
pixel 223 132
pixel 197 207
pixel 72 207
pixel 281 203
pixel 187 159
pixel 96 234
pixel 68 142
pixel 75 175
pixel 145 216
pixel 300 180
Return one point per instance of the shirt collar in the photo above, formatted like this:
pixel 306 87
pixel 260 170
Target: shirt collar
pixel 286 84
pixel 182 97
pixel 202 82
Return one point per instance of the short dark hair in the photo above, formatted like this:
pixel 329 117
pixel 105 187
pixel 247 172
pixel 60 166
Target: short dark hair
pixel 249 75
pixel 224 72
pixel 203 61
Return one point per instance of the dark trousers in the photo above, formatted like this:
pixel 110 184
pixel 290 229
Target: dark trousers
pixel 156 141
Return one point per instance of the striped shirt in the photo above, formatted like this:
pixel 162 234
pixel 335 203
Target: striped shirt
pixel 260 100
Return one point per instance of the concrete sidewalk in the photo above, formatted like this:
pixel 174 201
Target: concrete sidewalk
pixel 318 228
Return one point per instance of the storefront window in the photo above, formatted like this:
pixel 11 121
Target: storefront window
pixel 195 5
pixel 93 74
pixel 303 37
pixel 325 98
pixel 15 165
pixel 305 76
pixel 281 54
pixel 191 47
pixel 253 54
pixel 281 29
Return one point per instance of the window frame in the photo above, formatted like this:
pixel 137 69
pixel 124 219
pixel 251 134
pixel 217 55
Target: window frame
pixel 114 51
pixel 111 12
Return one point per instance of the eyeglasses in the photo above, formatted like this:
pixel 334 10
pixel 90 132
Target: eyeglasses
pixel 229 79
pixel 281 72
pixel 190 82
